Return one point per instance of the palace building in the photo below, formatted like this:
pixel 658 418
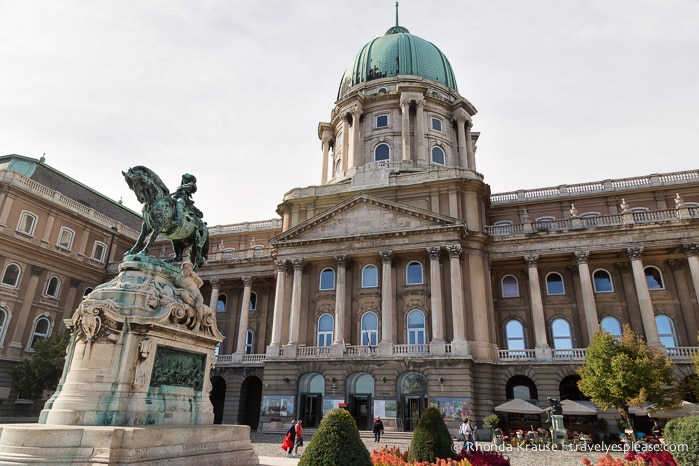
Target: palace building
pixel 400 281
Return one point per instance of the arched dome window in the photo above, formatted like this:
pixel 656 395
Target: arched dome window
pixel 438 156
pixel 382 153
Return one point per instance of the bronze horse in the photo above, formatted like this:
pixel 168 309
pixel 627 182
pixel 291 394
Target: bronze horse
pixel 161 216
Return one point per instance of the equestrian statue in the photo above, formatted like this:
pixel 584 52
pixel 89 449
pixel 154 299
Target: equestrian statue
pixel 171 215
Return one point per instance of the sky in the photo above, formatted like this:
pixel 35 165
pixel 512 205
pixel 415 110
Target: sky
pixel 567 91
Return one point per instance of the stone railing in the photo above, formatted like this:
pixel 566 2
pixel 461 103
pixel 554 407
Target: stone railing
pixel 682 352
pixel 233 255
pixel 577 354
pixel 313 352
pixel 514 355
pixel 411 349
pixel 272 224
pixel 236 359
pixel 360 351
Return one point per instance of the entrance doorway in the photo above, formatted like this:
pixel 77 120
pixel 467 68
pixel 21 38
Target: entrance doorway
pixel 311 405
pixel 413 397
pixel 360 396
pixel 218 398
pixel 414 406
pixel 250 402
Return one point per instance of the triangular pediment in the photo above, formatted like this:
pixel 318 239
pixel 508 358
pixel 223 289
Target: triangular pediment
pixel 366 216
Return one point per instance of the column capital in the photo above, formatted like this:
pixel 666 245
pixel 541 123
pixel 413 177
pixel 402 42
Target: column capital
pixel 582 256
pixel 247 280
pixel 676 265
pixel 280 264
pixel 214 282
pixel 690 249
pixel 531 260
pixel 455 250
pixel 386 256
pixel 635 253
pixel 297 263
pixel 341 260
pixel 404 102
pixel 434 252
pixel 36 270
pixel 461 116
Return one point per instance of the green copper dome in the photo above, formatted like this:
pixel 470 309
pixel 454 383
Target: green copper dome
pixel 398 53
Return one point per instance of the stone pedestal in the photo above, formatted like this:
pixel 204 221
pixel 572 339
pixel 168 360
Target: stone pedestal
pixel 559 433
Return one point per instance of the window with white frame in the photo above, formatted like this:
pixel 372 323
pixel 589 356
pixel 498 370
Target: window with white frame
pixel 326 325
pixel 438 156
pixel 253 301
pixel 666 331
pixel 4 319
pixel 554 284
pixel 654 278
pixel 65 238
pixel 437 124
pixel 510 287
pixel 11 274
pixel 370 276
pixel 27 223
pixel 602 281
pixel 382 121
pixel 88 290
pixel 413 273
pixel 221 303
pixel 327 279
pixel 41 330
pixel 382 153
pixel 53 287
pixel 99 249
pixel 249 341
pixel 514 335
pixel 370 328
pixel 562 334
pixel 416 327
pixel 611 325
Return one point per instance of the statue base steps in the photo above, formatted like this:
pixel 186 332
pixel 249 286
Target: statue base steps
pixel 124 445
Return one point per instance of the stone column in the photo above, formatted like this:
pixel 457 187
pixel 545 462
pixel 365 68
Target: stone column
pixel 470 153
pixel 345 144
pixel 461 117
pixel 457 294
pixel 436 296
pixel 588 293
pixel 244 315
pixel 386 343
pixel 340 296
pixel 537 305
pixel 482 348
pixel 25 314
pixel 356 136
pixel 405 128
pixel 420 130
pixel 215 290
pixel 6 207
pixel 278 317
pixel 295 302
pixel 326 155
pixel 691 250
pixel 644 301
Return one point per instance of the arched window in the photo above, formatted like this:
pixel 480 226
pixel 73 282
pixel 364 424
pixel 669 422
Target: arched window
pixel 27 223
pixel 4 319
pixel 438 156
pixel 413 273
pixel 370 277
pixel 510 287
pixel 249 341
pixel 666 331
pixel 654 278
pixel 65 238
pixel 327 279
pixel 514 335
pixel 253 301
pixel 370 328
pixel 381 121
pixel 521 387
pixel 221 303
pixel 41 331
pixel 88 290
pixel 562 335
pixel 416 327
pixel 568 389
pixel 326 324
pixel 11 274
pixel 554 284
pixel 53 287
pixel 602 281
pixel 98 251
pixel 382 153
pixel 611 325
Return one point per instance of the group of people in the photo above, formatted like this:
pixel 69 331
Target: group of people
pixel 466 430
pixel 293 439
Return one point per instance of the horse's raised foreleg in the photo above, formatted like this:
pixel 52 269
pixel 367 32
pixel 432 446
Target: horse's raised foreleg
pixel 139 241
pixel 153 236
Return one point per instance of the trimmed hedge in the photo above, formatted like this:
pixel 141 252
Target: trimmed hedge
pixel 431 439
pixel 336 443
pixel 683 433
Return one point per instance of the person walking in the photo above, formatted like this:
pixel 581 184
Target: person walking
pixel 291 434
pixel 378 429
pixel 469 441
pixel 299 437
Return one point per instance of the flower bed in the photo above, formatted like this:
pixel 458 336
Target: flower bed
pixel 394 457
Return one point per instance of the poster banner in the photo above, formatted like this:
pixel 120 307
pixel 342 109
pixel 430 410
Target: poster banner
pixel 330 403
pixel 452 408
pixel 277 405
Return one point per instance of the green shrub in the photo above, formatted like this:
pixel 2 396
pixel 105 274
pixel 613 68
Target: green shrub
pixel 431 438
pixel 336 443
pixel 683 433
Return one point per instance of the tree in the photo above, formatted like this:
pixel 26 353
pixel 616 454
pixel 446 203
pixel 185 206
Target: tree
pixel 336 443
pixel 43 371
pixel 431 439
pixel 621 373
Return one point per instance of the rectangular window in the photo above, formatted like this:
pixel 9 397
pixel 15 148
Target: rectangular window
pixel 65 238
pixel 27 222
pixel 436 124
pixel 98 251
pixel 382 121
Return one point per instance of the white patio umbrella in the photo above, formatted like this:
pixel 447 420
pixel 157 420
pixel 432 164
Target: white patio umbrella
pixel 685 409
pixel 574 408
pixel 519 406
